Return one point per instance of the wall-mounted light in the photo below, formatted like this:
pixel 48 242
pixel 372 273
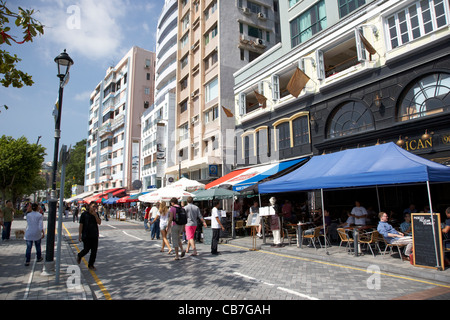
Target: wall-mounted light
pixel 426 135
pixel 377 100
pixel 400 141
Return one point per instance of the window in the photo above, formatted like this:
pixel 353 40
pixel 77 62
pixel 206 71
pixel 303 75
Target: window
pixel 427 96
pixel 183 132
pixel 415 21
pixel 308 23
pixel 212 90
pixel 345 53
pixel 347 6
pixel 255 32
pixel 284 136
pixel 292 2
pixel 349 118
pixel 183 106
pixel 300 130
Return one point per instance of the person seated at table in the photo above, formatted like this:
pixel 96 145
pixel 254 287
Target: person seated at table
pixel 410 209
pixel 359 213
pixel 392 236
pixel 349 222
pixel 405 226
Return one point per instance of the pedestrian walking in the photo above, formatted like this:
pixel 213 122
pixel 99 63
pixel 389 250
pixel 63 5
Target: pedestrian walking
pixel 164 225
pixel 34 233
pixel 8 217
pixel 146 216
pixel 216 225
pixel 88 233
pixel 193 215
pixel 154 222
pixel 176 212
pixel 75 213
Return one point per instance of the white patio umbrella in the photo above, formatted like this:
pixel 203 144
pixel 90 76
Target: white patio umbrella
pixel 188 185
pixel 165 194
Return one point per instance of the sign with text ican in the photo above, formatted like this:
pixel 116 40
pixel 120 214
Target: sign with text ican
pixel 427 241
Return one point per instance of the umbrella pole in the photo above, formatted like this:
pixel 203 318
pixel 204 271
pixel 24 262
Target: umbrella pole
pixel 432 225
pixel 323 218
pixel 262 221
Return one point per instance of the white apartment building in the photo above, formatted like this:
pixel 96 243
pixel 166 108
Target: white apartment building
pixel 114 134
pixel 215 39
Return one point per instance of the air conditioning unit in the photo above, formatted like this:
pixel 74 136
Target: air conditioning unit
pixel 243 39
pixel 246 11
pixel 259 43
pixel 261 16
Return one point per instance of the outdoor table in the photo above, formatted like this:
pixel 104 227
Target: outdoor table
pixel 301 226
pixel 356 230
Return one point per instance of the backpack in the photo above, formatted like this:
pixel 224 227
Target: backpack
pixel 180 216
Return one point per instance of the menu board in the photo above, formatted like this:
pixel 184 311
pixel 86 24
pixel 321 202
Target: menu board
pixel 427 246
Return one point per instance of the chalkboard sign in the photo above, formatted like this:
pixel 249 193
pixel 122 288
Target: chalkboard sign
pixel 427 247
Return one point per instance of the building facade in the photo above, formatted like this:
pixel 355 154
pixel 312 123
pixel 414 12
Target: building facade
pixel 114 133
pixel 375 71
pixel 158 121
pixel 215 39
pixel 350 74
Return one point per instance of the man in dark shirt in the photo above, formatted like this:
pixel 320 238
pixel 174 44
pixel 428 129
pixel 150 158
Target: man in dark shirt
pixel 88 233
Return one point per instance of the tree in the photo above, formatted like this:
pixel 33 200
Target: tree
pixel 20 164
pixel 75 167
pixel 23 19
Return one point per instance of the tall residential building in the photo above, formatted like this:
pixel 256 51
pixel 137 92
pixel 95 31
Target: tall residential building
pixel 159 120
pixel 116 107
pixel 215 39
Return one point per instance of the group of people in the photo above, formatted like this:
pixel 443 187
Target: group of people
pixel 177 220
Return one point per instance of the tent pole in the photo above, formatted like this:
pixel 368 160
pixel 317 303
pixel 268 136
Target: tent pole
pixel 433 225
pixel 323 219
pixel 378 198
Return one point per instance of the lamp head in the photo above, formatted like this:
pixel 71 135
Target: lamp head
pixel 64 63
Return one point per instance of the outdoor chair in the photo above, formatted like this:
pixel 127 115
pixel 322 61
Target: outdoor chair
pixel 369 239
pixel 313 237
pixel 290 233
pixel 240 226
pixel 391 245
pixel 326 237
pixel 344 238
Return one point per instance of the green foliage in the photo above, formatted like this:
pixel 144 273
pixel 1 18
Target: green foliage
pixel 20 165
pixel 75 167
pixel 23 19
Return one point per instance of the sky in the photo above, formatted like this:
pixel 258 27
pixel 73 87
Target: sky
pixel 96 35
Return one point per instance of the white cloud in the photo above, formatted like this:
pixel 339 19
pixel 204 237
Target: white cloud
pixel 83 96
pixel 90 28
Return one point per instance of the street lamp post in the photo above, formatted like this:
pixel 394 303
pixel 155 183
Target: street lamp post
pixel 64 63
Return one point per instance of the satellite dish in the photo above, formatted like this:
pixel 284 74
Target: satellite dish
pixel 137 184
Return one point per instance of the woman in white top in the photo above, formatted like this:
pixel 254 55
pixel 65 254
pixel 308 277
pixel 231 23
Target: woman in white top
pixel 163 221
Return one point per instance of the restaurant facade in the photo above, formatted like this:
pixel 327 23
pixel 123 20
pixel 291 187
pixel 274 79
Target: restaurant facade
pixel 348 79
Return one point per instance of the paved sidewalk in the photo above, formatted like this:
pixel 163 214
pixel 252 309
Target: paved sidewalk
pixel 386 263
pixel 38 280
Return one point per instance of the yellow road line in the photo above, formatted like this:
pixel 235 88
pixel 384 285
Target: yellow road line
pixel 94 275
pixel 343 266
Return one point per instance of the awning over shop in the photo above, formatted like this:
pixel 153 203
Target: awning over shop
pixel 115 192
pixel 225 178
pixel 79 196
pixel 376 165
pixel 252 176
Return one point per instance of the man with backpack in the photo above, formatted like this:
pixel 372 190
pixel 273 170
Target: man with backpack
pixel 178 218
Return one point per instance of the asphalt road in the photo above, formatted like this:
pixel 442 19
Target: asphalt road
pixel 130 266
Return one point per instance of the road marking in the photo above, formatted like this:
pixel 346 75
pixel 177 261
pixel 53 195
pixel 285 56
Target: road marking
pixel 27 290
pixel 110 226
pixel 278 288
pixel 94 275
pixel 132 236
pixel 343 266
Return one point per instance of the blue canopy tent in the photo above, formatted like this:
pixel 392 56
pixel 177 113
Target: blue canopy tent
pixel 384 164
